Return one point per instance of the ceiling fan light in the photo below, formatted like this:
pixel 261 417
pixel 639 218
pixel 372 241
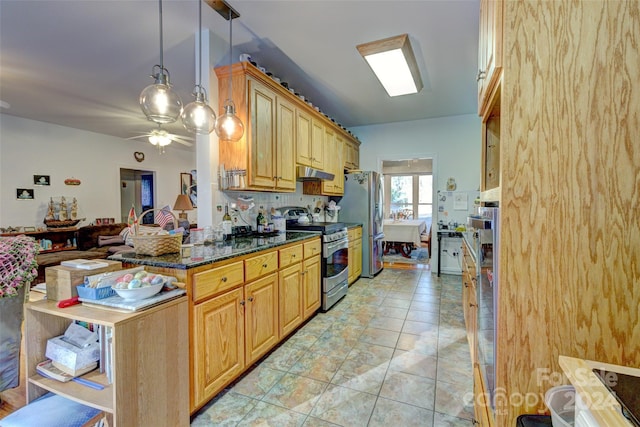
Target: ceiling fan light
pixel 197 116
pixel 159 102
pixel 160 138
pixel 229 127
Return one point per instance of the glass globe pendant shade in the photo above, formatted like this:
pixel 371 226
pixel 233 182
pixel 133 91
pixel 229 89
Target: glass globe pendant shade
pixel 229 127
pixel 197 116
pixel 158 101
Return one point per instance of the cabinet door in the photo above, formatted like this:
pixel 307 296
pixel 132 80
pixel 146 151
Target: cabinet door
pixel 218 332
pixel 317 145
pixel 332 158
pixel 262 110
pixel 311 286
pixel 490 49
pixel 338 170
pixel 304 153
pixel 261 316
pixel 285 149
pixel 357 254
pixel 290 299
pixel 350 255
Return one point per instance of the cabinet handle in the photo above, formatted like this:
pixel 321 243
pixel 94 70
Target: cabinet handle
pixel 250 299
pixel 264 265
pixel 473 305
pixel 242 302
pixel 224 279
pixel 481 75
pixel 293 255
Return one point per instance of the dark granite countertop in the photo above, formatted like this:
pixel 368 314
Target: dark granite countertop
pixel 352 224
pixel 216 251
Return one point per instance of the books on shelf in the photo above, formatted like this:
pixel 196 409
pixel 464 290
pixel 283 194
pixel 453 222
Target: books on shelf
pixel 50 369
pixel 85 264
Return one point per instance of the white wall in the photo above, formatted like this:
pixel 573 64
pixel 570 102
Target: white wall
pixel 452 142
pixel 30 148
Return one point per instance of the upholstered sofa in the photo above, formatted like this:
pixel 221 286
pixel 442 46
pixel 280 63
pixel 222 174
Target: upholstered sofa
pixel 93 242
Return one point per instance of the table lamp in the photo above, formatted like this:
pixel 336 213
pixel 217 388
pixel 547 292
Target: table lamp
pixel 183 203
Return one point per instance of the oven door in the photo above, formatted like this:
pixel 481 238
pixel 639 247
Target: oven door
pixel 335 261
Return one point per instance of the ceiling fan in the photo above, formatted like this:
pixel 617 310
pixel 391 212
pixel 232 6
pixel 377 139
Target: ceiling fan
pixel 161 138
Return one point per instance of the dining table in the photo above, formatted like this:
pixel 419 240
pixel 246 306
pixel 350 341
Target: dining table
pixel 402 235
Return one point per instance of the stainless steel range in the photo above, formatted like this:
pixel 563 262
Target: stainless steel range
pixel 335 244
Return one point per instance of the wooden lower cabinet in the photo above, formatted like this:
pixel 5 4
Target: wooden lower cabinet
pixel 291 311
pixel 218 334
pixel 261 317
pixel 311 298
pixel 355 254
pixel 233 328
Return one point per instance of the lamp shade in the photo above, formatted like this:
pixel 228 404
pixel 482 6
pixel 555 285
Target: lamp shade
pixel 197 116
pixel 229 127
pixel 159 102
pixel 183 203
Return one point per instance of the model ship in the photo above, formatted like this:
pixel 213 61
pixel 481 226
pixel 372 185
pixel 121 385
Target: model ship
pixel 60 215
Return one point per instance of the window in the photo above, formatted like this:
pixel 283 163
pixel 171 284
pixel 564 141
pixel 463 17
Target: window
pixel 413 192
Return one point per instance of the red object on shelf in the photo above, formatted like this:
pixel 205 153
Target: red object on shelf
pixel 68 302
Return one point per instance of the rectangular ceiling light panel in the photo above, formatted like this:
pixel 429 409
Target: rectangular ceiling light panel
pixel 394 64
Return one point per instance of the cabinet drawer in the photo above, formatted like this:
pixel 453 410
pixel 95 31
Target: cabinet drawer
pixel 216 280
pixel 312 248
pixel 260 265
pixel 290 255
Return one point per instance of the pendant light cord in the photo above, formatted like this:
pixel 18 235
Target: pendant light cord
pixel 161 49
pixel 200 44
pixel 230 96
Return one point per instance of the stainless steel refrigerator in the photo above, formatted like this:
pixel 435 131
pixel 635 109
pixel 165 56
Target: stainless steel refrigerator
pixel 363 202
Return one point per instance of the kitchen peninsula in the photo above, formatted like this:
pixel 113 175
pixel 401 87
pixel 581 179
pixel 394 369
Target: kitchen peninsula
pixel 245 296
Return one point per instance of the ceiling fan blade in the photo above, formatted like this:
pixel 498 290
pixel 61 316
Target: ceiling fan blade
pixel 180 141
pixel 140 136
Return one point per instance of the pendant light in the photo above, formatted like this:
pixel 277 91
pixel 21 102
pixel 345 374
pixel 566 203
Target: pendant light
pixel 229 127
pixel 197 116
pixel 158 101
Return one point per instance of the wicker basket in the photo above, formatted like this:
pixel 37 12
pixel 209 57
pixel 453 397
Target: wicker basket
pixel 156 244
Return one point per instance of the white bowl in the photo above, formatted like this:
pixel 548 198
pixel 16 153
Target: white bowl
pixel 136 294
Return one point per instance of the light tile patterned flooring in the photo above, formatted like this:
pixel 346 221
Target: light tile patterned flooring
pixel 393 352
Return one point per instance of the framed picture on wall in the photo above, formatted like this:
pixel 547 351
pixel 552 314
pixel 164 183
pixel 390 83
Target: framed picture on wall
pixel 193 190
pixel 41 180
pixel 24 193
pixel 185 183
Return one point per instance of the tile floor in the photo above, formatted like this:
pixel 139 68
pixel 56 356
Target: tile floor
pixel 393 352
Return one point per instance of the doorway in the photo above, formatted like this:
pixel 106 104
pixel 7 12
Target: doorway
pixel 137 189
pixel 408 188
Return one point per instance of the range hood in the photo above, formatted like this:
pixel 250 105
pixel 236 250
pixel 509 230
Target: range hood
pixel 305 173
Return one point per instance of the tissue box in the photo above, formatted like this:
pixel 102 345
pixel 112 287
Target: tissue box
pixel 62 280
pixel 74 358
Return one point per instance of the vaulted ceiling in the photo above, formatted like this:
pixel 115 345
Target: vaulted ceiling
pixel 83 63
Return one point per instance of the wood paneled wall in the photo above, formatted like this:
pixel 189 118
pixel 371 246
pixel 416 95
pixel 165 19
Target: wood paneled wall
pixel 570 202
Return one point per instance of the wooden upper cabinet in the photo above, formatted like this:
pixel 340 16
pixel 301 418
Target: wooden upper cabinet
pixel 280 131
pixel 318 145
pixel 304 152
pixel 351 155
pixel 262 105
pixel 490 50
pixel 310 141
pixel 285 145
pixel 266 151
